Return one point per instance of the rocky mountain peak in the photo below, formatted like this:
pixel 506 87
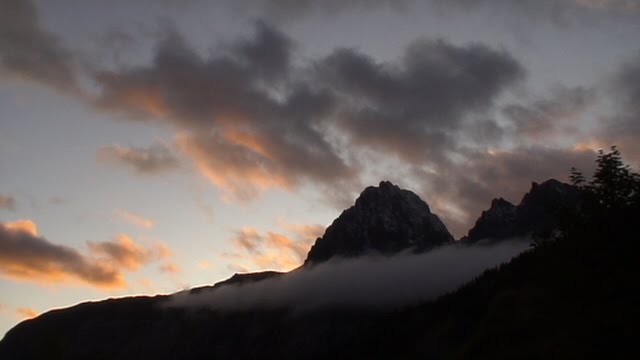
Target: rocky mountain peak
pixel 498 221
pixel 384 219
pixel 536 212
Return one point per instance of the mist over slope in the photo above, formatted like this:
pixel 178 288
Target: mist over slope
pixel 370 281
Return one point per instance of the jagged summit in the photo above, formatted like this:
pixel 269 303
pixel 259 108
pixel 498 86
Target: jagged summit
pixel 537 212
pixel 497 222
pixel 384 219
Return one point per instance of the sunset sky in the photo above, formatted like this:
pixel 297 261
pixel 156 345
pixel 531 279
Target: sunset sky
pixel 151 146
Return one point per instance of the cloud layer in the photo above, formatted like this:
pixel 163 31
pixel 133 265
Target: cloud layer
pixel 253 120
pixel 374 282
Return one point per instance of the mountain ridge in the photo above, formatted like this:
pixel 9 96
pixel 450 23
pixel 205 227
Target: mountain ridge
pixel 143 327
pixel 538 212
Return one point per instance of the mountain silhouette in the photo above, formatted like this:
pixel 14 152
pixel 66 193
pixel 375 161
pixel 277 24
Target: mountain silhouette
pixel 384 219
pixel 571 298
pixel 538 212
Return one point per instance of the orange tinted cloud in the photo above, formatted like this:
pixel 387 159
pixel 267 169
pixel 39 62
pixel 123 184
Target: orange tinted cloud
pixel 273 250
pixel 147 285
pixel 237 168
pixel 171 268
pixel 27 313
pixel 25 255
pixel 240 136
pixel 136 219
pixel 127 253
pixel 26 226
pixel 303 232
pixel 7 203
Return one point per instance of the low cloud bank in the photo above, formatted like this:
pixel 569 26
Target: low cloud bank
pixel 369 282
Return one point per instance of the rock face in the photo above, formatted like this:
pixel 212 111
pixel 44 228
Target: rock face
pixel 537 212
pixel 498 222
pixel 384 219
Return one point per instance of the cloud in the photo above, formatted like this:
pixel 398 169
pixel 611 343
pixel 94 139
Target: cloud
pixel 25 255
pixel 29 51
pixel 27 313
pixel 240 115
pixel 412 108
pixel 271 249
pixel 205 264
pixel 7 203
pixel 557 12
pixel 623 126
pixel 251 120
pixel 557 115
pixel 127 253
pixel 626 83
pixel 136 219
pixel 153 160
pixel 374 282
pixel 170 268
pixel 303 232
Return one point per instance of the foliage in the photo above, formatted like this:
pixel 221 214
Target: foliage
pixel 613 185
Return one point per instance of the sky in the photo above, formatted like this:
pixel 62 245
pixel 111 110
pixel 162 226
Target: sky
pixel 150 146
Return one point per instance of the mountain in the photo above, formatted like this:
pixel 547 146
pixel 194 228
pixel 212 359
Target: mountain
pixel 384 219
pixel 240 279
pixel 573 298
pixel 538 212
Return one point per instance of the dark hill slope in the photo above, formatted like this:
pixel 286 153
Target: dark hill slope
pixel 573 298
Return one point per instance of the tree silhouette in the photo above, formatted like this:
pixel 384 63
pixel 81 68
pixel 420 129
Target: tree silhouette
pixel 613 185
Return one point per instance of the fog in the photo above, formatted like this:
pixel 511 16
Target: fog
pixel 365 282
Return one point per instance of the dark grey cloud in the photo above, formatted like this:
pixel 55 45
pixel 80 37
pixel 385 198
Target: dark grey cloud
pixel 7 202
pixel 374 282
pixel 268 53
pixel 29 51
pixel 626 91
pixel 558 114
pixel 251 119
pixel 237 119
pixel 153 160
pixel 621 126
pixel 556 12
pixel 412 108
pixel 24 255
